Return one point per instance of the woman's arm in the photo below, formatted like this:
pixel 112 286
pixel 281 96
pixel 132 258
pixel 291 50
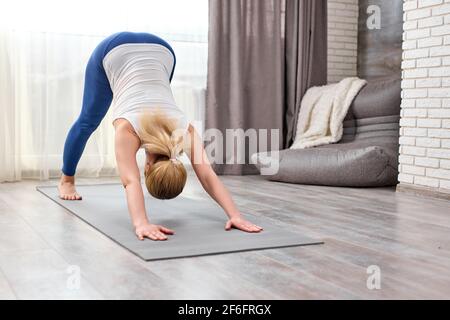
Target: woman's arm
pixel 213 186
pixel 127 143
pixel 126 146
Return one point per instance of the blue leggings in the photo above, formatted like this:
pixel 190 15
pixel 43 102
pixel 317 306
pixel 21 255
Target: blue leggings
pixel 97 95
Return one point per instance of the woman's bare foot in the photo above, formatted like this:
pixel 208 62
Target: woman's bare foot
pixel 67 189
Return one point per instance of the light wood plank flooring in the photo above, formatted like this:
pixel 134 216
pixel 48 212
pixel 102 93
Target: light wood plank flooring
pixel 406 236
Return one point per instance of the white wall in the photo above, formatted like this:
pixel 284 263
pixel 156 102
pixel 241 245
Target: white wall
pixel 342 39
pixel 425 123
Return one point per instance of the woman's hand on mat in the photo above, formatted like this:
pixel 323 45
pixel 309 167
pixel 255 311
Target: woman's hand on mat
pixel 242 224
pixel 153 232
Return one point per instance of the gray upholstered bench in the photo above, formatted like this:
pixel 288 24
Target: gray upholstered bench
pixel 367 155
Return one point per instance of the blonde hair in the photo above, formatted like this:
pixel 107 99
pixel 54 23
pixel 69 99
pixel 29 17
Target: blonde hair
pixel 167 176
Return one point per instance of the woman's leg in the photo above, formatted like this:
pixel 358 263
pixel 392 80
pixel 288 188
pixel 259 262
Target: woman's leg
pixel 97 98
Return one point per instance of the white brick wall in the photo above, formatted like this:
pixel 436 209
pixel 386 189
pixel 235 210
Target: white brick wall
pixel 342 39
pixel 425 124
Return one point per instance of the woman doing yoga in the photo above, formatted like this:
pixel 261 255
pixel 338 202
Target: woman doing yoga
pixel 132 73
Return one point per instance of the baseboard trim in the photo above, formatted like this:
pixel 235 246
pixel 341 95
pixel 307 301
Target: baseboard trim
pixel 424 191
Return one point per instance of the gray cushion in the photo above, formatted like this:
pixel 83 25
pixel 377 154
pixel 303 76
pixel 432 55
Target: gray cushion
pixel 378 98
pixel 367 155
pixel 351 164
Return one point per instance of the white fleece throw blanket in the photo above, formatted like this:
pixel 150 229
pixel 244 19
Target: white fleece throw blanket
pixel 322 113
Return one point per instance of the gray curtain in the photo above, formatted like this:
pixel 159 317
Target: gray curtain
pixel 306 55
pixel 247 61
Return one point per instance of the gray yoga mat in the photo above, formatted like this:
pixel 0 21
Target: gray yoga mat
pixel 198 224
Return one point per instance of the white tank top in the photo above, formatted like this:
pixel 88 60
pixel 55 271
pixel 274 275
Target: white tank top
pixel 139 75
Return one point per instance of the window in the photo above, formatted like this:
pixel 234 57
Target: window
pixel 44 48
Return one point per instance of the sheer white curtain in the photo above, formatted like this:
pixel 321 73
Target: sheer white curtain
pixel 44 48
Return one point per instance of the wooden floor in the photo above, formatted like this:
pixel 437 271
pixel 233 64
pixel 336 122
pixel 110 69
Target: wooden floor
pixel 407 237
